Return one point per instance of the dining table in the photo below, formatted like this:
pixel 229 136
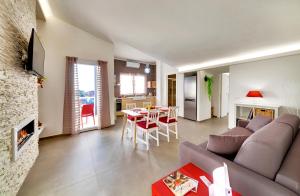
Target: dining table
pixel 137 113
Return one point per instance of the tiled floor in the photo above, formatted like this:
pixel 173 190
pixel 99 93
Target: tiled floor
pixel 99 163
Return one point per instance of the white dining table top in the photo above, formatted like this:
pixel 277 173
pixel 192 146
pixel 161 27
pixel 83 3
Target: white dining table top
pixel 136 111
pixel 131 113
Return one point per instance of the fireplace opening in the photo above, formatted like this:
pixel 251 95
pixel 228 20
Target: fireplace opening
pixel 21 135
pixel 24 134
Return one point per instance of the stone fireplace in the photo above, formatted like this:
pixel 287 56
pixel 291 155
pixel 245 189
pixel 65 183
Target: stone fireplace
pixel 18 96
pixel 21 135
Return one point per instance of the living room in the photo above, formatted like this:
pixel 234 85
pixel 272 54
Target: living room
pixel 111 97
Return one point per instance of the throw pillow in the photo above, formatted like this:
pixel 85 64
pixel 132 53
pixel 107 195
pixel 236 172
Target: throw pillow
pixel 225 144
pixel 258 122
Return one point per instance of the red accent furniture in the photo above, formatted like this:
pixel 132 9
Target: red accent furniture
pixel 160 189
pixel 131 118
pixel 86 111
pixel 165 119
pixel 166 122
pixel 148 126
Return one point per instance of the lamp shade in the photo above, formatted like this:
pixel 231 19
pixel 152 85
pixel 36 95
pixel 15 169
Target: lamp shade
pixel 254 94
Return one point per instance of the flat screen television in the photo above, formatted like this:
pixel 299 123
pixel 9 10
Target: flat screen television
pixel 36 55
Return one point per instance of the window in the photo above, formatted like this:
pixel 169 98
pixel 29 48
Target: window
pixel 126 84
pixel 139 84
pixel 132 84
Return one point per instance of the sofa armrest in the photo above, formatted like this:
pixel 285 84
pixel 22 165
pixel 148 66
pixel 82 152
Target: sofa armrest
pixel 242 179
pixel 242 123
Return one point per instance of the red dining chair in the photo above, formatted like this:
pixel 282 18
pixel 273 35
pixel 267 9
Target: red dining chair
pixel 165 122
pixel 148 126
pixel 86 111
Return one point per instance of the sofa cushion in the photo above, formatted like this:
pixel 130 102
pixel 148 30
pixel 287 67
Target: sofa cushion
pixel 242 123
pixel 265 149
pixel 238 131
pixel 225 144
pixel 291 120
pixel 234 131
pixel 289 175
pixel 258 122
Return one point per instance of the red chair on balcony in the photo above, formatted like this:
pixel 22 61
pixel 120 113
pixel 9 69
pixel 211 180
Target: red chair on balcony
pixel 86 111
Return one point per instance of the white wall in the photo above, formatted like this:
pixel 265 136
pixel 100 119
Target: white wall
pixel 203 102
pixel 61 39
pixel 278 79
pixel 163 70
pixel 180 93
pixel 158 83
pixel 224 94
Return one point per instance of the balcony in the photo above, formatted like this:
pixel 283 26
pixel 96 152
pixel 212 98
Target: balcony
pixel 87 109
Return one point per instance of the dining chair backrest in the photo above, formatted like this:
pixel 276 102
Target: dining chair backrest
pixel 146 104
pixel 172 113
pixel 152 117
pixel 87 109
pixel 130 106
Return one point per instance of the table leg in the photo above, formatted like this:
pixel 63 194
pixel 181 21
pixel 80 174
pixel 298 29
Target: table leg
pixel 135 132
pixel 124 124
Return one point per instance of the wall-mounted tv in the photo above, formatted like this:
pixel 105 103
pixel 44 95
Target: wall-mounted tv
pixel 36 55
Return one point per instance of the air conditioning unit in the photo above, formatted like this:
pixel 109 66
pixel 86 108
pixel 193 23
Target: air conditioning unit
pixel 133 65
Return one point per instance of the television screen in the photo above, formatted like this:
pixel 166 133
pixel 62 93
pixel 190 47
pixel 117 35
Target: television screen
pixel 36 55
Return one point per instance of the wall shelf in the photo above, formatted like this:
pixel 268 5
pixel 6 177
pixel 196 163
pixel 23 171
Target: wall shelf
pixel 242 110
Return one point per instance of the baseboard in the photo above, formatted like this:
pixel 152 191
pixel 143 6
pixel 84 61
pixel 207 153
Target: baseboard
pixel 44 134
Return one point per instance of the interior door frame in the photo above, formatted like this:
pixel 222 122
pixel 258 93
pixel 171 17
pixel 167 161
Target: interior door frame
pixel 221 95
pixel 168 88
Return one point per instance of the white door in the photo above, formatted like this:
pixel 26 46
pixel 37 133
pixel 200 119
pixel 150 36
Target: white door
pixel 225 94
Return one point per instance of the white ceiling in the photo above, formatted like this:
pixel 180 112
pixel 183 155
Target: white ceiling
pixel 183 32
pixel 126 52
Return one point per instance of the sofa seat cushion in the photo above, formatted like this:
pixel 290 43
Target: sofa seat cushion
pixel 225 144
pixel 289 175
pixel 265 149
pixel 292 120
pixel 258 122
pixel 238 131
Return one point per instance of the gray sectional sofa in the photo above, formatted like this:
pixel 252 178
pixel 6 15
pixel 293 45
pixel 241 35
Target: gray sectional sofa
pixel 267 164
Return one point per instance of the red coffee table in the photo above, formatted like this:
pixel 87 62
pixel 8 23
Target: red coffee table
pixel 160 189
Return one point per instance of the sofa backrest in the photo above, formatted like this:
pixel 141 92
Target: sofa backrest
pixel 292 120
pixel 288 174
pixel 264 150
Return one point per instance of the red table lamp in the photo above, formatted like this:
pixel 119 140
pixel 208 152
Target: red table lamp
pixel 254 94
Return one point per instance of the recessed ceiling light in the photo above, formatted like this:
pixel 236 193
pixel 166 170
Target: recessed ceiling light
pixel 282 50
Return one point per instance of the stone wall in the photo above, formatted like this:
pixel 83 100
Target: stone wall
pixel 18 91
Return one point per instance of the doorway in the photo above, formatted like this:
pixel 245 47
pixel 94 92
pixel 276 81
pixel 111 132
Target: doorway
pixel 172 90
pixel 87 97
pixel 224 94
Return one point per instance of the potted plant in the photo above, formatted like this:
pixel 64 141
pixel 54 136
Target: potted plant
pixel 208 80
